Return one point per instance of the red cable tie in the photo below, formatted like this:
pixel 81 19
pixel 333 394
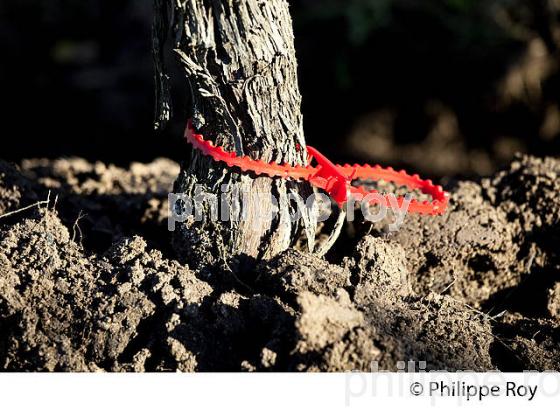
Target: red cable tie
pixel 334 179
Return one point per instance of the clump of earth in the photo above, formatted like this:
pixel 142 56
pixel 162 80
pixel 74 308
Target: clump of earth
pixel 88 282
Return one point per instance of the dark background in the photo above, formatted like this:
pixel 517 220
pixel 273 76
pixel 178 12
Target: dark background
pixel 448 87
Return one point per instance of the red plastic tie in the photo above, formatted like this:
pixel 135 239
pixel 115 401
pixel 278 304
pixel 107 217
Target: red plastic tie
pixel 334 179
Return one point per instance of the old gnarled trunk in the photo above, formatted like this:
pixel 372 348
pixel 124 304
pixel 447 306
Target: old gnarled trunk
pixel 240 63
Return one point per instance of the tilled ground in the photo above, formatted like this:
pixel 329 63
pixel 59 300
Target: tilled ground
pixel 88 282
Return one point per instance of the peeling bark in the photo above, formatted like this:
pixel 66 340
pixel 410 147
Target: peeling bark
pixel 239 59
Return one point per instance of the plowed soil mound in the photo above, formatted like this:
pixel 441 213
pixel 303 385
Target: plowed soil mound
pixel 88 282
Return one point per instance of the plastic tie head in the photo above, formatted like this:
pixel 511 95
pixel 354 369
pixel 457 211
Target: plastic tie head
pixel 337 184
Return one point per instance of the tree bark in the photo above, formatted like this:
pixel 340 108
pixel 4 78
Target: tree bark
pixel 239 59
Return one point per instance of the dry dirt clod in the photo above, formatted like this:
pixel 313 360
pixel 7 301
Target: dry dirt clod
pixel 324 321
pixel 554 301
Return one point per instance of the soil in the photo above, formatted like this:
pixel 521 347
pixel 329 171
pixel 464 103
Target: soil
pixel 88 282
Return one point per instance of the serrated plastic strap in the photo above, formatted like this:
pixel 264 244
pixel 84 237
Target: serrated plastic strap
pixel 334 179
